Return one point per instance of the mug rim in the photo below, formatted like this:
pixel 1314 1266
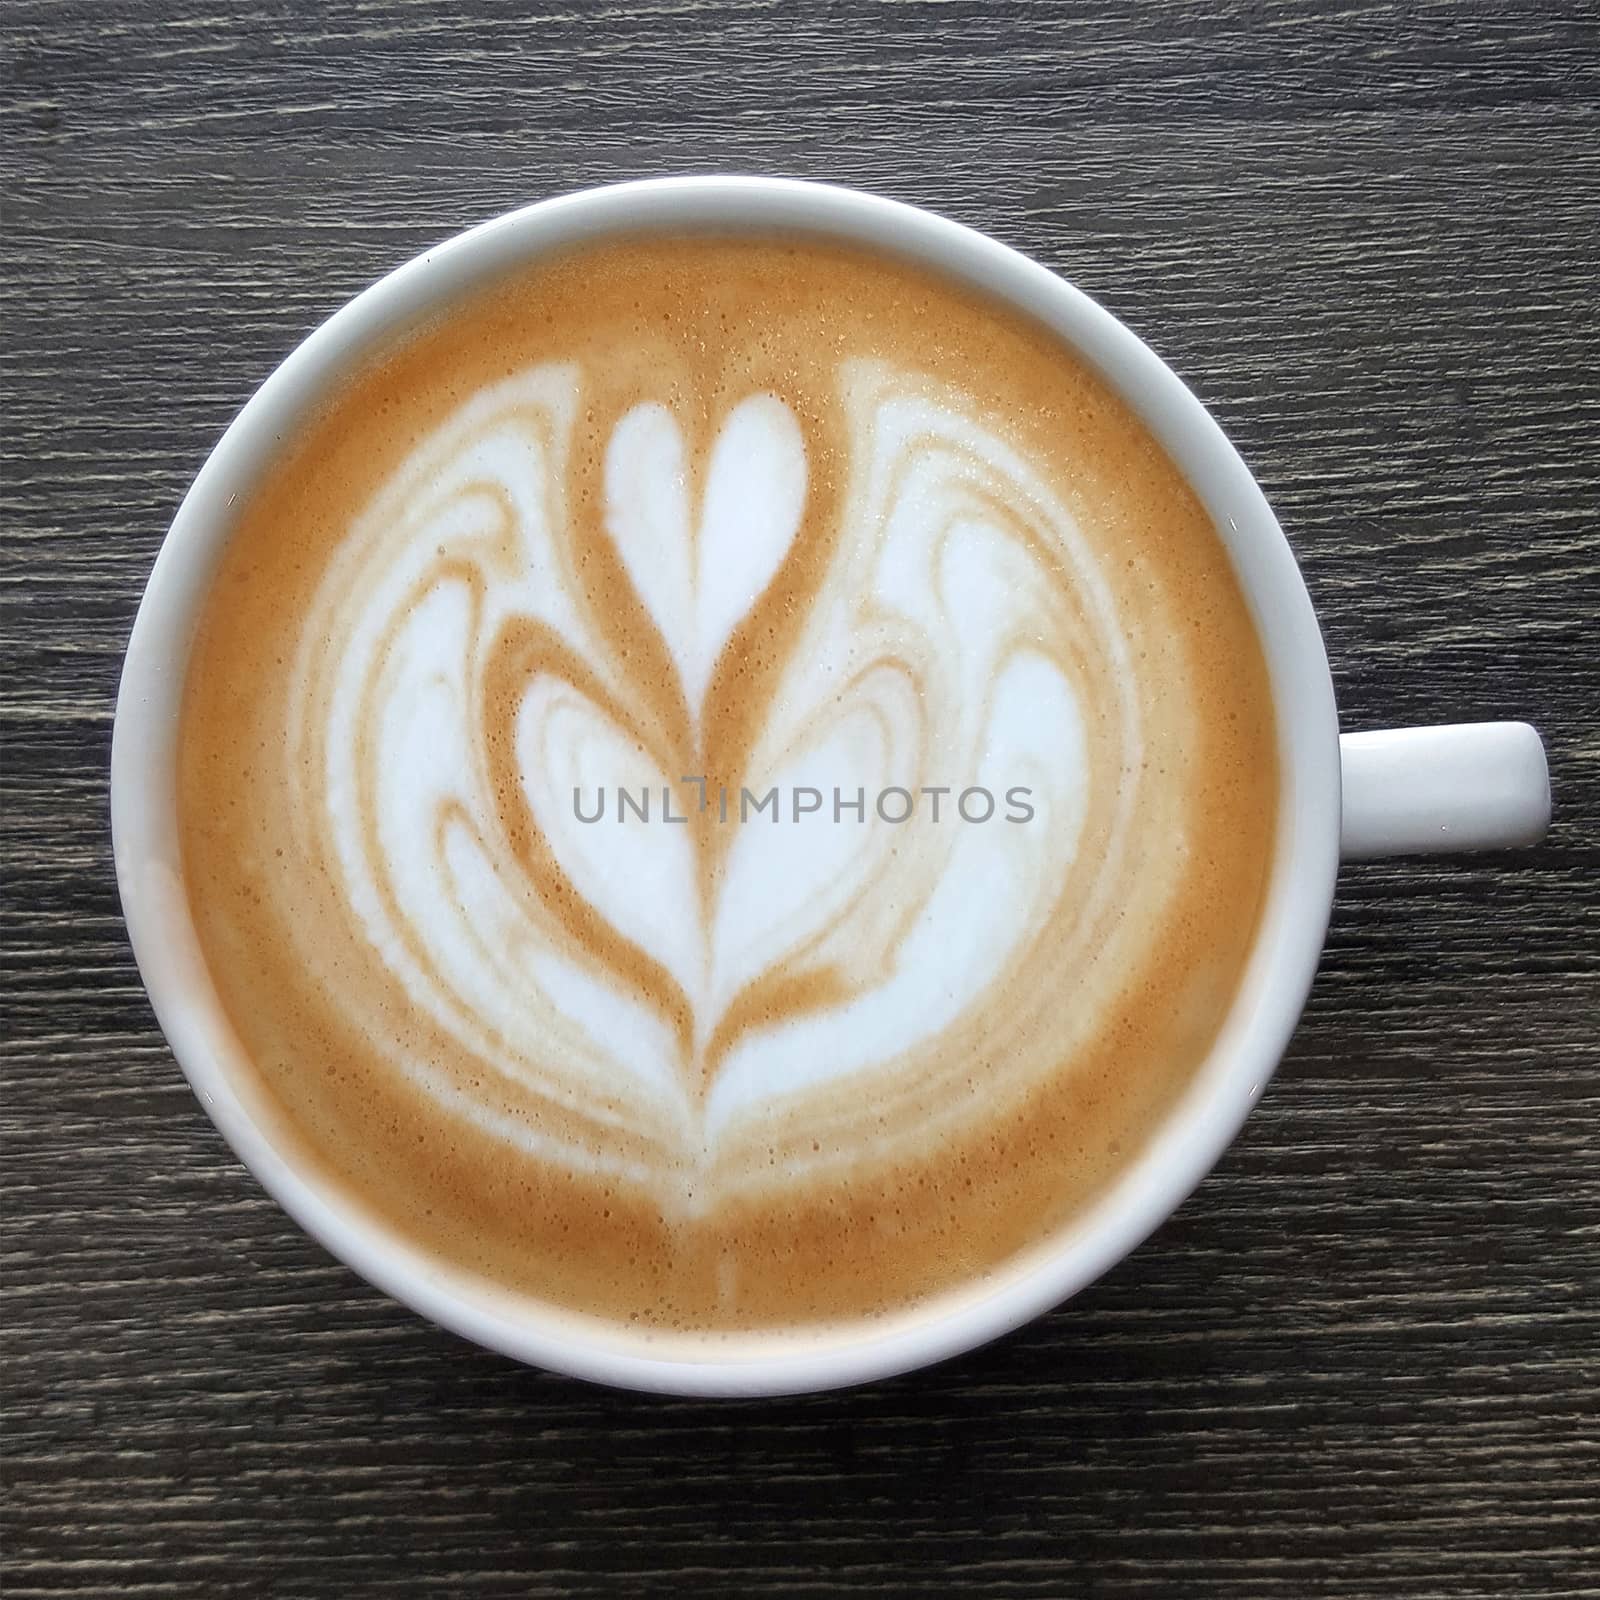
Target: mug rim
pixel 1195 1131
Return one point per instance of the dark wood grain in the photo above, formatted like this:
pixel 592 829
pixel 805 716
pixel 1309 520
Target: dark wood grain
pixel 1362 1360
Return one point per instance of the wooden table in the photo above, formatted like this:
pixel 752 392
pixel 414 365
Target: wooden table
pixel 1361 1361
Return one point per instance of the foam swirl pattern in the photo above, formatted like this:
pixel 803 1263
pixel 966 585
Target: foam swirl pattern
pixel 679 982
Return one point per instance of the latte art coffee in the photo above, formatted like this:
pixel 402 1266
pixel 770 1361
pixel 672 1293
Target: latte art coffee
pixel 502 729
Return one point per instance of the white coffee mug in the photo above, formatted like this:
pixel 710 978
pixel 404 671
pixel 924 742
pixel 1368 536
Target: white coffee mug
pixel 1447 788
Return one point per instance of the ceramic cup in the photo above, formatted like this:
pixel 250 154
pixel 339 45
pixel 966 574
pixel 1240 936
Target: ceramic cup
pixel 1441 788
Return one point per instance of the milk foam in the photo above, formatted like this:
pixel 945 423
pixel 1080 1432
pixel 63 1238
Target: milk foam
pixel 961 634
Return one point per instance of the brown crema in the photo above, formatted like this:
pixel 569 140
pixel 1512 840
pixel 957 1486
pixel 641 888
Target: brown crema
pixel 511 1149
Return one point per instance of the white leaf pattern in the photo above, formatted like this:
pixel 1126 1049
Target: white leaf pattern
pixel 920 662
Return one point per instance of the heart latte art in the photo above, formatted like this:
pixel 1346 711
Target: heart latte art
pixel 724 783
pixel 674 988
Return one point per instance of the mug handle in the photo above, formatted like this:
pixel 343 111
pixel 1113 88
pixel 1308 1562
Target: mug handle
pixel 1467 786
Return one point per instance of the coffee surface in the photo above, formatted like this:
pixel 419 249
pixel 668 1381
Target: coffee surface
pixel 724 783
